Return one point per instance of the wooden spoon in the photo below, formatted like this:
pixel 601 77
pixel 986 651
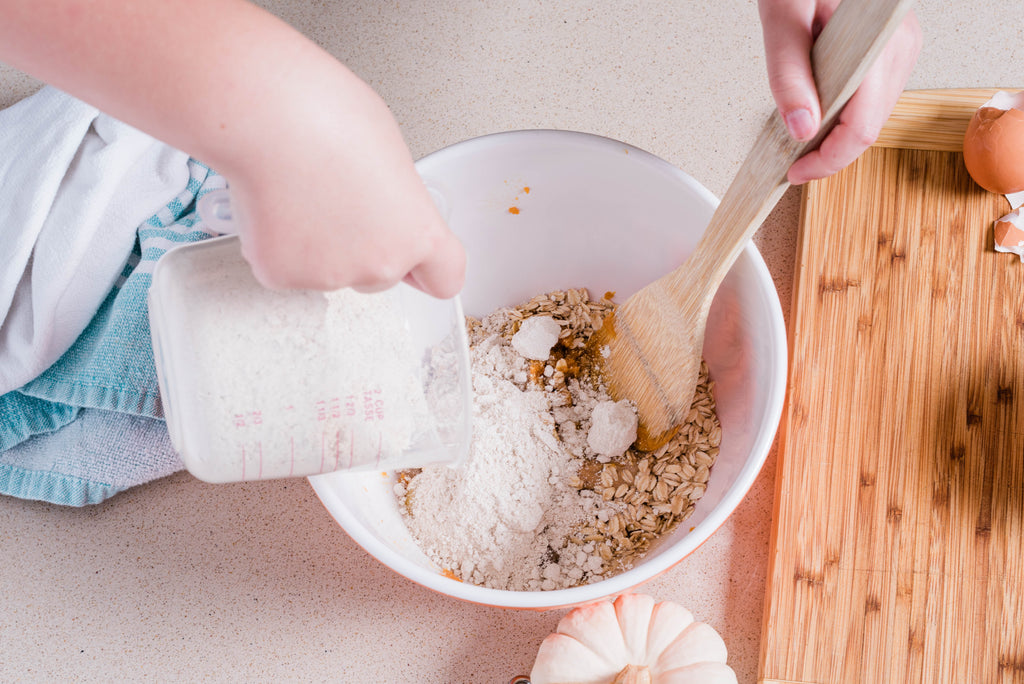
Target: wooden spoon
pixel 652 344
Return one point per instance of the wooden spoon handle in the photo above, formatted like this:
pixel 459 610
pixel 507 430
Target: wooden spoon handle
pixel 848 45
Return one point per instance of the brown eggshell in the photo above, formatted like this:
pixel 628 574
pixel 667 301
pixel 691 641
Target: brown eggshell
pixel 994 149
pixel 1008 232
pixel 1008 235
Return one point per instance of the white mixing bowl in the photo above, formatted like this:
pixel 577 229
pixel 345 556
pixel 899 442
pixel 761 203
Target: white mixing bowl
pixel 606 216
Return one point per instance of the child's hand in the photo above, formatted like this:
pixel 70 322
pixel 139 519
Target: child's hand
pixel 331 199
pixel 322 184
pixel 790 27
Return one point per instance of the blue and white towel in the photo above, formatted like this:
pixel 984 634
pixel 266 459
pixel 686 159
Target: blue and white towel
pixel 88 206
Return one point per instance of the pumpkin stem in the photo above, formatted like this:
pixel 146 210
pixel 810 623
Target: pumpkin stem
pixel 634 674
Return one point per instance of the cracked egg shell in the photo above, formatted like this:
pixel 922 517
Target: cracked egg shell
pixel 1008 233
pixel 994 144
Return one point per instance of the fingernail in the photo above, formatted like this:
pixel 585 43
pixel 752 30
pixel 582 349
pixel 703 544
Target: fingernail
pixel 800 124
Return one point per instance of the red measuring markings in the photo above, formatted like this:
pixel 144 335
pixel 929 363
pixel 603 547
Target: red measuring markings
pixel 253 418
pixel 373 408
pixel 337 448
pixel 259 461
pixel 351 447
pixel 328 408
pixel 323 450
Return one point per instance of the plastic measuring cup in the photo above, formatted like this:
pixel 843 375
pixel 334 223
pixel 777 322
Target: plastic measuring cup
pixel 260 384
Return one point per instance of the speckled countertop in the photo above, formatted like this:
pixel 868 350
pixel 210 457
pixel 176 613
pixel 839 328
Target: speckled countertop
pixel 183 581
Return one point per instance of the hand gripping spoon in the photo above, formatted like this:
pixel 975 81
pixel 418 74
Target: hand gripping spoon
pixel 652 344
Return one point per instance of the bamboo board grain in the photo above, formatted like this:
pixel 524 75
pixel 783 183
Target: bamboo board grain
pixel 897 550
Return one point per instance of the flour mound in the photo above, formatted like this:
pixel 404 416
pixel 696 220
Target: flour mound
pixel 505 519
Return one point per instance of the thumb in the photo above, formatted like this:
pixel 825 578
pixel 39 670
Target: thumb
pixel 788 39
pixel 442 273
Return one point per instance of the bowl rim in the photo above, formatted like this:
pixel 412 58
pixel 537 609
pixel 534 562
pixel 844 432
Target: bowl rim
pixel 663 562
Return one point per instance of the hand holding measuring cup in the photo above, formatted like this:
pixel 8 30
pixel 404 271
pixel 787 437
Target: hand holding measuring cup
pixel 343 209
pixel 259 383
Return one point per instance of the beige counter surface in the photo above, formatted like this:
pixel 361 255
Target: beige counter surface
pixel 183 581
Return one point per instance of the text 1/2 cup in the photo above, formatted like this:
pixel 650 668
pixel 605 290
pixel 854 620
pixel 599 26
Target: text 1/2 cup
pixel 260 384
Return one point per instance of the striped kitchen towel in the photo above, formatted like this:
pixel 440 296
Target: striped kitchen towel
pixel 88 423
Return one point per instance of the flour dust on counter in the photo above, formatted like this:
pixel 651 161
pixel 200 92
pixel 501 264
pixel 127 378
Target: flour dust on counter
pixel 552 494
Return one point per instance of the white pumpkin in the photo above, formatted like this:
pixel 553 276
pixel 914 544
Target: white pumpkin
pixel 632 641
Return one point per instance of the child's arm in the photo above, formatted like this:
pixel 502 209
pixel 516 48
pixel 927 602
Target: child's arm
pixel 320 175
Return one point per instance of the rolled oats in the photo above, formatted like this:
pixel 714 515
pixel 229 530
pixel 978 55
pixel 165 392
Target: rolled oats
pixel 656 490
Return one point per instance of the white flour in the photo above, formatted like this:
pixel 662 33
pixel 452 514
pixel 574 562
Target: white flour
pixel 503 519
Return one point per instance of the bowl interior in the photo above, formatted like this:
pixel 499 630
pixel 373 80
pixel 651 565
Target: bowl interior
pixel 552 210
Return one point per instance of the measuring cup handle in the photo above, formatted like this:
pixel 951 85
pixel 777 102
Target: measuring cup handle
pixel 214 208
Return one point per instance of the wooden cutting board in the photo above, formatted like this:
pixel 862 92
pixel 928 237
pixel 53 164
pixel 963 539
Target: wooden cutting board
pixel 897 552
